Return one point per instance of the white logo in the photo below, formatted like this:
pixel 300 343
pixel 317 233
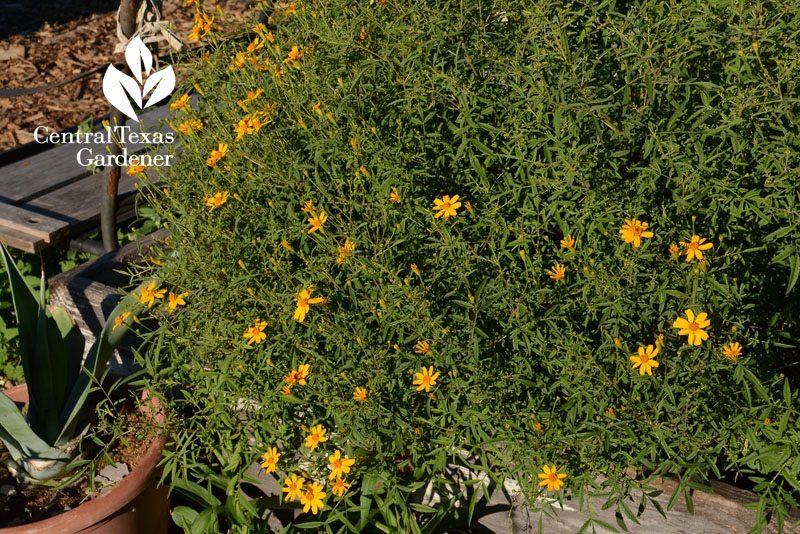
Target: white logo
pixel 117 85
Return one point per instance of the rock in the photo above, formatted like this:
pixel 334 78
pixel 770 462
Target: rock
pixel 111 474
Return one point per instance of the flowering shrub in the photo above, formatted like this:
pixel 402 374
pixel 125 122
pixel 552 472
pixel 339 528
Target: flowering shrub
pixel 554 244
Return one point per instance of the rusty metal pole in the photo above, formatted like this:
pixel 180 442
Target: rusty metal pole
pixel 108 205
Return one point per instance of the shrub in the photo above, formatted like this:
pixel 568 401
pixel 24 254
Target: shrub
pixel 324 155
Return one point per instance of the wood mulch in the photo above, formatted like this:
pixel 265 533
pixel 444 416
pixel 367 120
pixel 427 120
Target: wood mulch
pixel 48 41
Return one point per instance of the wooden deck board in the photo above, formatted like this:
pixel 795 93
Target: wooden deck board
pixel 57 167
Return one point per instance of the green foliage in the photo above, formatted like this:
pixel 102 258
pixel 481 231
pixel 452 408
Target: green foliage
pixel 551 120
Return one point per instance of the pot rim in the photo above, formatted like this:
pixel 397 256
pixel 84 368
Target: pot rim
pixel 109 502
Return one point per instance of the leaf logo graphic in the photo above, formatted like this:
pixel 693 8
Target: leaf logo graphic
pixel 119 88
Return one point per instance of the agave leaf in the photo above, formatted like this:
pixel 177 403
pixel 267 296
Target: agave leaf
pixel 22 442
pixel 93 366
pixel 73 346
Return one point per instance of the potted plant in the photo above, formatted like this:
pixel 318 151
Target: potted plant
pixel 44 444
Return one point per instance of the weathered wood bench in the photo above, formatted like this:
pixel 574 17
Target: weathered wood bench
pixel 48 197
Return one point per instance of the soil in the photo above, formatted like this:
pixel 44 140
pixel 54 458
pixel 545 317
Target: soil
pixel 48 41
pixel 31 503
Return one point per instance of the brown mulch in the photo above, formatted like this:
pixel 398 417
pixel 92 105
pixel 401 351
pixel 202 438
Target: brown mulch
pixel 49 41
pixel 27 504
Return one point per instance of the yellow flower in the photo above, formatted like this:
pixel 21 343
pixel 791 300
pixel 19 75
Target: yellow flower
pixel 181 103
pixel 551 478
pixel 135 168
pixel 255 333
pixel 189 127
pixel 316 437
pixel 446 206
pixel 426 379
pixel 339 466
pixel 415 269
pixel 120 319
pixel 469 207
pixel 767 420
pixel 294 57
pixel 537 427
pixel 255 45
pixel 150 293
pixel 674 250
pixel 252 95
pixel 317 222
pixel 695 248
pixel 394 196
pixel 299 376
pixel 422 347
pixel 360 394
pixel 354 143
pixel 312 498
pixel 291 9
pixel 217 200
pixel 345 250
pixel 645 360
pixel 693 328
pixel 245 126
pixel 610 412
pixel 633 230
pixel 286 390
pixel 732 351
pixel 557 272
pixel 309 207
pixel 270 462
pixel 217 155
pixel 303 300
pixel 340 487
pixel 292 487
pixel 176 300
pixel 568 243
pixel 315 108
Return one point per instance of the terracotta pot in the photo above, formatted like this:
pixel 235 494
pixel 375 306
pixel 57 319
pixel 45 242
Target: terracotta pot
pixel 134 505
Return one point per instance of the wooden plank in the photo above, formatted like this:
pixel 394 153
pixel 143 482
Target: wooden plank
pixel 45 172
pixel 29 222
pixel 21 240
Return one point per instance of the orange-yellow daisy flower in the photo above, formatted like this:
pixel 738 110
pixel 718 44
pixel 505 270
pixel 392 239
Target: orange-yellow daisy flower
pixel 732 351
pixel 150 293
pixel 270 462
pixel 120 320
pixel 568 243
pixel 299 376
pixel 255 334
pixel 340 487
pixel 557 272
pixel 317 222
pixel 693 328
pixel 292 487
pixel 394 196
pixel 294 57
pixel 181 103
pixel 425 379
pixel 303 304
pixel 217 200
pixel 135 168
pixel 312 498
pixel 339 466
pixel 551 478
pixel 446 207
pixel 645 360
pixel 360 394
pixel 286 390
pixel 176 300
pixel 695 248
pixel 422 347
pixel 633 230
pixel 316 437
